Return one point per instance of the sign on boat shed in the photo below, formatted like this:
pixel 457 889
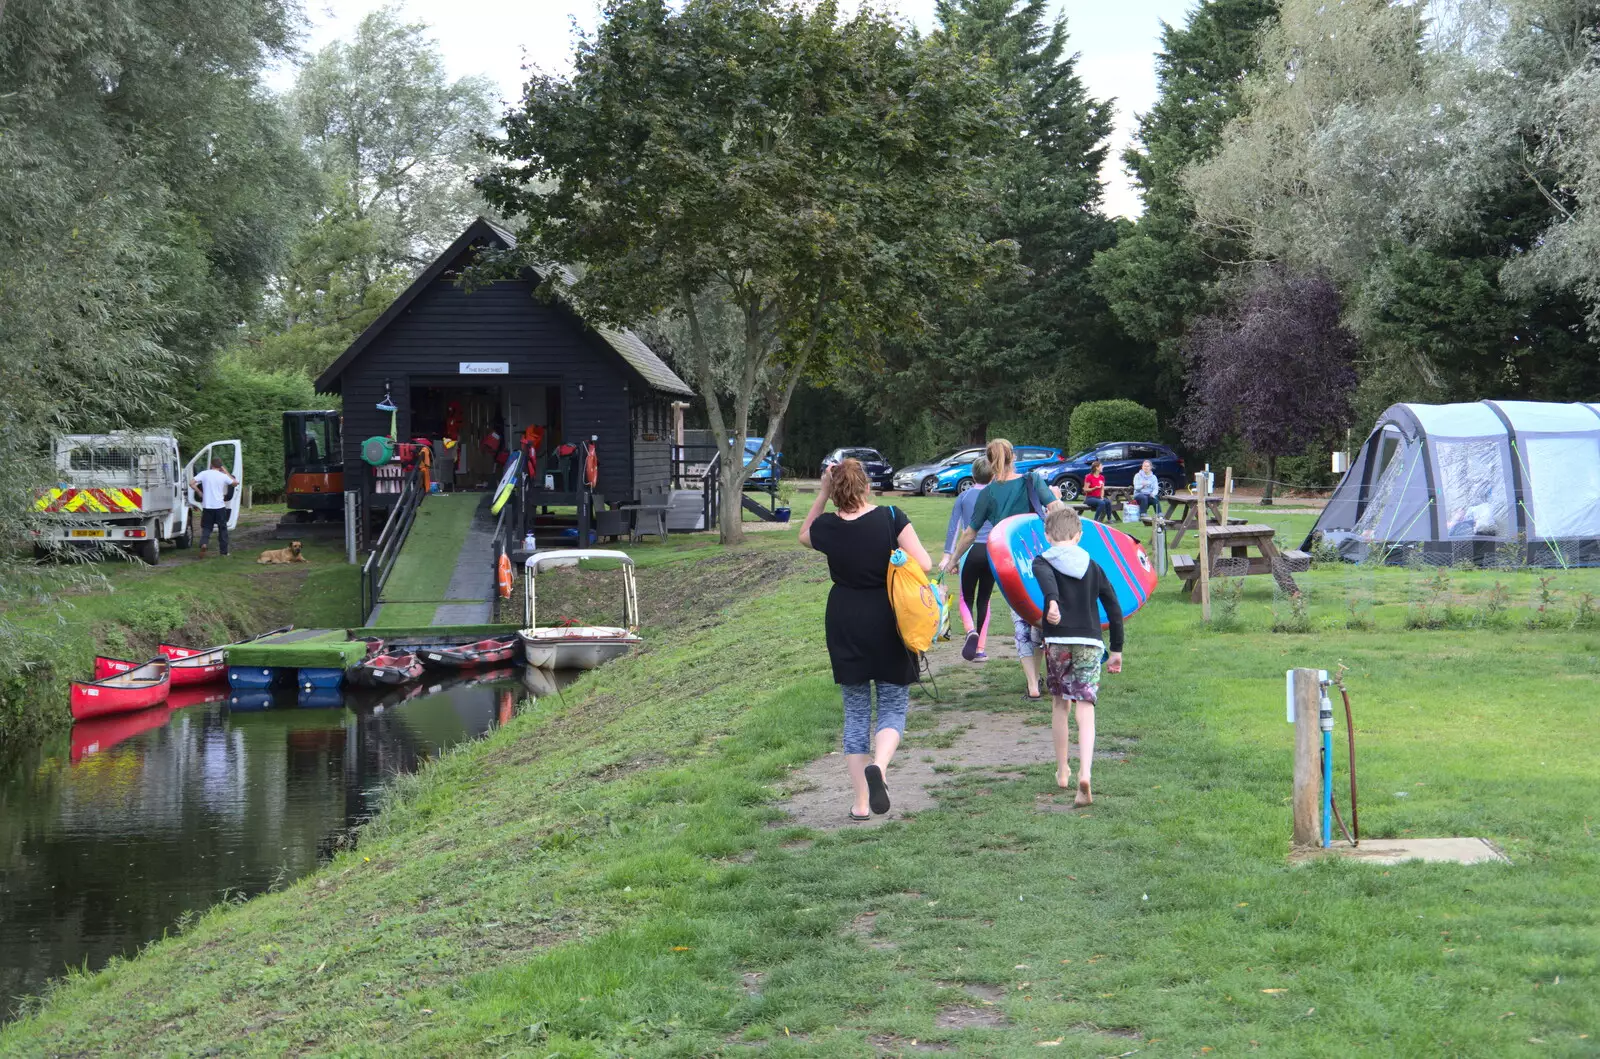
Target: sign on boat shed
pixel 487 363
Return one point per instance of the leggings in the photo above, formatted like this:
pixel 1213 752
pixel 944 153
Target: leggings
pixel 892 702
pixel 977 583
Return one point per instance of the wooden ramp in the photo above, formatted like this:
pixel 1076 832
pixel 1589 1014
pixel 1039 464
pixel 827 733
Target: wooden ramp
pixel 444 574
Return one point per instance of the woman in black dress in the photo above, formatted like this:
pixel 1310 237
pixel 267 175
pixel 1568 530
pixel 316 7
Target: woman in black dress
pixel 864 642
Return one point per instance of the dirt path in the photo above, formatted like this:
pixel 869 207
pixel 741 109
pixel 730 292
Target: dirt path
pixel 946 740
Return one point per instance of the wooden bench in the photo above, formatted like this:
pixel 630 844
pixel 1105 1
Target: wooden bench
pixel 1295 561
pixel 1186 568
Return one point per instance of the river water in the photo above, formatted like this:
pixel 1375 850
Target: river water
pixel 109 836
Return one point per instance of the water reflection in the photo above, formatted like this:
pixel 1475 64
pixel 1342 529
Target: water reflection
pixel 108 836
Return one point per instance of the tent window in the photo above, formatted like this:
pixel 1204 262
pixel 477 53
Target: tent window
pixel 1474 498
pixel 1384 501
pixel 1563 489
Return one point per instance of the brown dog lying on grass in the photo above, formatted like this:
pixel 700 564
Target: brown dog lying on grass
pixel 291 554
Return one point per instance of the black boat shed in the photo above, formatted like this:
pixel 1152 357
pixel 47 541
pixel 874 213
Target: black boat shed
pixel 495 360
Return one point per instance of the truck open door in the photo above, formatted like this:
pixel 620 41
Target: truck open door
pixel 231 453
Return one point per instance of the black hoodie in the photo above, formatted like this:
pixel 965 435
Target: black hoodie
pixel 1075 582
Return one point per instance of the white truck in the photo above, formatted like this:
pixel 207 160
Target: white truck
pixel 128 490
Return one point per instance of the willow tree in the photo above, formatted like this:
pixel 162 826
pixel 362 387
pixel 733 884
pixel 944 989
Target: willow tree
pixel 813 171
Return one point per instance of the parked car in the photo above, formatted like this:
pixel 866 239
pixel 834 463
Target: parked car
pixel 924 477
pixel 878 469
pixel 957 478
pixel 1121 460
pixel 769 472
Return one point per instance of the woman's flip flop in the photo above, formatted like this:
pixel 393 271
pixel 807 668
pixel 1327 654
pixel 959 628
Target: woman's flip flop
pixel 858 819
pixel 877 790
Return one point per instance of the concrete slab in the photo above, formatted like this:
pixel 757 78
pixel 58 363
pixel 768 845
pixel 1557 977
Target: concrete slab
pixel 1433 850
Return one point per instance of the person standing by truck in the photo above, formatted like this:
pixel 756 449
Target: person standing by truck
pixel 214 485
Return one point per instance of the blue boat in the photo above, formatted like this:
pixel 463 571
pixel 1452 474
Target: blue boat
pixel 320 678
pixel 255 678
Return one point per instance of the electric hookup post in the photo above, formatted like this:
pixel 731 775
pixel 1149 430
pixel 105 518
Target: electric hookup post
pixel 1310 710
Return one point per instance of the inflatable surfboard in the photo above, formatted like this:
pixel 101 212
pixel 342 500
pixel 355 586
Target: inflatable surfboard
pixel 1017 541
pixel 508 482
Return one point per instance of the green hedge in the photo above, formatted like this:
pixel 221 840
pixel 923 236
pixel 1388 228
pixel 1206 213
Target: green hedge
pixel 240 401
pixel 1094 422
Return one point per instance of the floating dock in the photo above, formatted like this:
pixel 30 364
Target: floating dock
pixel 315 659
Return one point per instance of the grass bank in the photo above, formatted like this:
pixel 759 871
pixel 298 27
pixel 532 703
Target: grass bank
pixel 609 876
pixel 67 614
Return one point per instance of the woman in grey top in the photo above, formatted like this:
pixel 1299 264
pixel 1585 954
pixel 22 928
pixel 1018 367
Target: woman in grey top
pixel 1146 489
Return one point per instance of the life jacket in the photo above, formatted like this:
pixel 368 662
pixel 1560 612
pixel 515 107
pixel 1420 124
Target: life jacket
pixel 503 575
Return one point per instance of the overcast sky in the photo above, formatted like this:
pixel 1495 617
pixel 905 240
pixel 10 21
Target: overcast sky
pixel 1116 42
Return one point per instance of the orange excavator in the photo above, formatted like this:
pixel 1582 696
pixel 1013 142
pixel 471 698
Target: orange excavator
pixel 313 474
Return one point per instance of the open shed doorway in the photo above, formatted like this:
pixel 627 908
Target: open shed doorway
pixel 487 422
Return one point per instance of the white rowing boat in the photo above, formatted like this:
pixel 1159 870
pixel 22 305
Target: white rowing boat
pixel 578 646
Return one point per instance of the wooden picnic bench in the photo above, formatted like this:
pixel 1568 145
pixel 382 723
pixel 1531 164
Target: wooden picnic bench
pixel 1183 511
pixel 1229 553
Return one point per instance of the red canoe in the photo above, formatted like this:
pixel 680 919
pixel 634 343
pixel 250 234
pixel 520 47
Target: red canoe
pixel 202 665
pixel 196 667
pixel 137 689
pixel 492 652
pixel 103 733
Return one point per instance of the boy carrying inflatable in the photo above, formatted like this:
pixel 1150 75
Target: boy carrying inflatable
pixel 1072 584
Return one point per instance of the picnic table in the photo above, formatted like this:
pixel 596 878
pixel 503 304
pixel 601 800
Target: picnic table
pixel 1229 553
pixel 1183 513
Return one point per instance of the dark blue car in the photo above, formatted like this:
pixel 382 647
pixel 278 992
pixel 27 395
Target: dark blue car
pixel 1121 460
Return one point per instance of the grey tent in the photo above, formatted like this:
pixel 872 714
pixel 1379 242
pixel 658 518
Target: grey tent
pixel 1475 482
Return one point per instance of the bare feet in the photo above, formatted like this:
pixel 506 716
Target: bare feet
pixel 1064 778
pixel 1084 797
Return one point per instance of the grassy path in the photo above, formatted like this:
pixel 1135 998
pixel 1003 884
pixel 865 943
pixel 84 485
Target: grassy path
pixel 613 875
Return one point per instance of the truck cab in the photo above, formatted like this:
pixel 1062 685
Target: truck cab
pixel 126 490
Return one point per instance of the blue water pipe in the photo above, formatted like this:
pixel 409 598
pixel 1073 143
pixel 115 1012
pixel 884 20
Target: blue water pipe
pixel 1325 719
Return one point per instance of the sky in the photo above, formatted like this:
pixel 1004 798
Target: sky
pixel 1116 42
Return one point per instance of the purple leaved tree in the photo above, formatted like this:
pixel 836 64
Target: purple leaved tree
pixel 1277 368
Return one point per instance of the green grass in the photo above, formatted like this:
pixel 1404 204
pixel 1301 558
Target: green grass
pixel 67 613
pixel 603 877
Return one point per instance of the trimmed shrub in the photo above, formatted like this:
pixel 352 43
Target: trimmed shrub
pixel 240 401
pixel 1094 422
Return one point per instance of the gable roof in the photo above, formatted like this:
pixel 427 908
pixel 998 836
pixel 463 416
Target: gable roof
pixel 640 358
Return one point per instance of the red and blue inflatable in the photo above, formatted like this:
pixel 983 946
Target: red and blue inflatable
pixel 1017 541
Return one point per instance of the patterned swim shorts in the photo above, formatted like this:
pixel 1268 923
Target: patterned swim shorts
pixel 1072 670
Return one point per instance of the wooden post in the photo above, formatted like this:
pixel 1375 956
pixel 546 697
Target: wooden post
pixel 1307 760
pixel 1227 491
pixel 1205 548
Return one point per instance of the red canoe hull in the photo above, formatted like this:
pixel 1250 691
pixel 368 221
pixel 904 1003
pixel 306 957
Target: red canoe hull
pixel 138 689
pixel 102 733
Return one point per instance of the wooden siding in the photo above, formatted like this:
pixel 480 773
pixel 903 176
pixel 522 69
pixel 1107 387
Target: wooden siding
pixel 540 342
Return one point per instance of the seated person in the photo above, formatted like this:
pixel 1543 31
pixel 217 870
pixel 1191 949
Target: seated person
pixel 1094 492
pixel 1146 489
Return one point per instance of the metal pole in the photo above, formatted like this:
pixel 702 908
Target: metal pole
pixel 351 509
pixel 1325 721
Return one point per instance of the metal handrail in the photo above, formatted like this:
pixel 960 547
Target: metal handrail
pixel 380 562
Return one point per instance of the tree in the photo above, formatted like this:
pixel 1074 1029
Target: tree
pixel 813 172
pixel 1037 333
pixel 150 184
pixel 395 140
pixel 1161 273
pixel 1436 177
pixel 1277 368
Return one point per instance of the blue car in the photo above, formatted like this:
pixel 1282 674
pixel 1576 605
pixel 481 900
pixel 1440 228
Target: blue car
pixel 768 472
pixel 1120 462
pixel 957 477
